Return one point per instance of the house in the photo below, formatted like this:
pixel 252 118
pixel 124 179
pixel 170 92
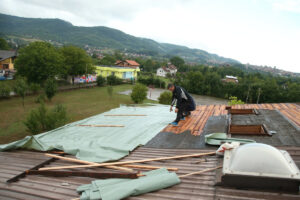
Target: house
pixel 127 63
pixel 7 59
pixel 163 71
pixel 230 79
pixel 126 73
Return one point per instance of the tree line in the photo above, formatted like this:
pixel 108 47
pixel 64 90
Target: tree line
pixel 251 88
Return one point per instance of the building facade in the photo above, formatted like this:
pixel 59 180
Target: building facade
pixel 163 71
pixel 7 59
pixel 125 73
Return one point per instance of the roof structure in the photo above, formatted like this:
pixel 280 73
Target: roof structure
pixel 7 54
pixel 128 63
pixel 188 138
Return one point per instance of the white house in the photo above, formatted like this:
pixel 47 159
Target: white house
pixel 231 79
pixel 163 71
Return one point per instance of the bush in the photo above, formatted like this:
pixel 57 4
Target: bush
pixel 139 93
pixel 165 98
pixel 150 80
pixel 35 88
pixel 50 88
pixel 56 117
pixel 113 80
pixel 41 119
pixel 4 91
pixel 20 88
pixel 234 101
pixel 100 80
pixel 40 99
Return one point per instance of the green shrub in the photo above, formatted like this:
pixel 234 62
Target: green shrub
pixel 113 80
pixel 165 98
pixel 21 88
pixel 100 80
pixel 234 101
pixel 41 98
pixel 56 117
pixel 50 88
pixel 139 93
pixel 41 119
pixel 4 91
pixel 35 88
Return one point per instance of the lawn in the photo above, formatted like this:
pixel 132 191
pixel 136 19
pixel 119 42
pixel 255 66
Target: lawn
pixel 80 104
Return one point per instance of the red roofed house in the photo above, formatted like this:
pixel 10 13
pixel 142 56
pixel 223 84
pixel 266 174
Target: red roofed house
pixel 127 63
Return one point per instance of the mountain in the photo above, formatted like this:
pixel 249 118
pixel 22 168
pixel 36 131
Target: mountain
pixel 62 32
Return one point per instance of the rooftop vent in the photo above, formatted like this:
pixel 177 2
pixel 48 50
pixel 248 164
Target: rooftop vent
pixel 260 166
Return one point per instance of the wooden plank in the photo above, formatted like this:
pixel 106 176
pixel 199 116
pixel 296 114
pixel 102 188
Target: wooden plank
pixel 90 163
pixel 200 172
pixel 86 162
pixel 131 161
pixel 100 175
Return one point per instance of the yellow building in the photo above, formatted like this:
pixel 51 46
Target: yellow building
pixel 7 59
pixel 125 73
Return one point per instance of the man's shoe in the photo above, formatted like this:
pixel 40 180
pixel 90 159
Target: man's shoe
pixel 174 123
pixel 183 118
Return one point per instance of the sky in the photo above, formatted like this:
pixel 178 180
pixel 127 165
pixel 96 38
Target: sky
pixel 259 32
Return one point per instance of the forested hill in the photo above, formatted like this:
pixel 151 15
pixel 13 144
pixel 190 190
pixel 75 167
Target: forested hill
pixel 63 32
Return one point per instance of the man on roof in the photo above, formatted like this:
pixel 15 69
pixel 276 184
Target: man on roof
pixel 184 103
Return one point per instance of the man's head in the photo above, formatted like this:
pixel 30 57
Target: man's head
pixel 171 87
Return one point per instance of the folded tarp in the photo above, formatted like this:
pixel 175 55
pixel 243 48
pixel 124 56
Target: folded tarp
pixel 101 144
pixel 219 138
pixel 114 189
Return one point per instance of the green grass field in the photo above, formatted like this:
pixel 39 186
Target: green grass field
pixel 80 104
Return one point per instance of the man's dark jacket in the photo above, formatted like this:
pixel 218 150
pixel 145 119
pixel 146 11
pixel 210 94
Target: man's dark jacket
pixel 183 97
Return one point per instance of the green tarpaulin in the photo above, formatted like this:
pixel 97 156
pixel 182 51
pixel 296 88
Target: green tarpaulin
pixel 114 189
pixel 219 138
pixel 101 144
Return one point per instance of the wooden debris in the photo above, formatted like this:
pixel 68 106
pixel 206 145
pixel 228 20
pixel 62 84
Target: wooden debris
pixel 100 175
pixel 122 167
pixel 130 162
pixel 200 172
pixel 87 162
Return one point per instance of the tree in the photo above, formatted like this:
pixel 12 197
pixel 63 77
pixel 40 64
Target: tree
pixel 107 60
pixel 3 44
pixel 76 62
pixel 177 61
pixel 139 93
pixel 110 90
pixel 50 88
pixel 20 88
pixel 39 61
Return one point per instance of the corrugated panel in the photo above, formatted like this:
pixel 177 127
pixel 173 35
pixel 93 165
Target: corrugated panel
pixel 193 187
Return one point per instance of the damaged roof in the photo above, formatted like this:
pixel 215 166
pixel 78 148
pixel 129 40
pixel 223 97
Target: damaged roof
pixel 188 138
pixel 36 187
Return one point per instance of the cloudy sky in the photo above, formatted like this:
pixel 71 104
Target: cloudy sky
pixel 261 32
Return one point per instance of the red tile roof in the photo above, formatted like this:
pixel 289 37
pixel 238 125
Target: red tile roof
pixel 132 62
